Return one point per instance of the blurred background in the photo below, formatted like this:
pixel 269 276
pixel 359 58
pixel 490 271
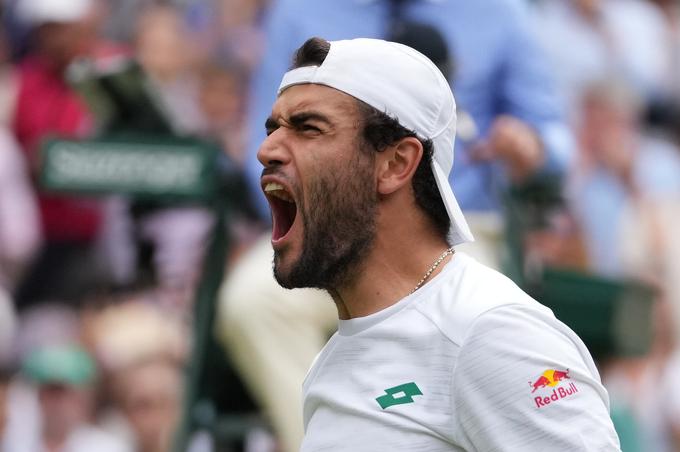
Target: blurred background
pixel 137 307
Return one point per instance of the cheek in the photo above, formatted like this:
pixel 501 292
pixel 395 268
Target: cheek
pixel 341 187
pixel 337 167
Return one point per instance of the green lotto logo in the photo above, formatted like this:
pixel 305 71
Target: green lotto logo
pixel 399 395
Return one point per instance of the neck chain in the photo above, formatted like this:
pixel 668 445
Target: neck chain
pixel 433 268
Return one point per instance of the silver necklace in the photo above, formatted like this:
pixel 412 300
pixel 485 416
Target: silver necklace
pixel 433 268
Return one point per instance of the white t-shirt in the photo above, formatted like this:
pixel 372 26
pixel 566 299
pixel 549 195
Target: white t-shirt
pixel 468 362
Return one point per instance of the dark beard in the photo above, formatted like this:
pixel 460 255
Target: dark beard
pixel 340 227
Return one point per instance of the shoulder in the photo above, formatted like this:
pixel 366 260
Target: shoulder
pixel 523 340
pixel 523 372
pixel 518 343
pixel 468 290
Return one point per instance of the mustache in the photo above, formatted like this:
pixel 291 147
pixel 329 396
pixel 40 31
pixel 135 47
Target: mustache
pixel 272 172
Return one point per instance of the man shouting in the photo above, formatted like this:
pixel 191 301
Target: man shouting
pixel 433 350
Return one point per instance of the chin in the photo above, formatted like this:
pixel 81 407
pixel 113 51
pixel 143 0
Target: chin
pixel 283 278
pixel 292 273
pixel 283 270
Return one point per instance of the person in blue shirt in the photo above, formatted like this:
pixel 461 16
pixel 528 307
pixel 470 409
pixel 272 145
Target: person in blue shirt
pixel 510 126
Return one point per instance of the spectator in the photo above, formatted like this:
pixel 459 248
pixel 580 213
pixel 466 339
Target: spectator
pixel 618 165
pixel 179 233
pixel 167 53
pixel 135 330
pixel 624 37
pixel 222 103
pixel 118 25
pixel 653 255
pixel 229 27
pixel 19 217
pixel 62 376
pixel 140 347
pixel 514 129
pixel 61 31
pixel 149 395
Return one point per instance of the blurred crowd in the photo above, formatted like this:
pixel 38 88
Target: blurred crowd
pixel 96 292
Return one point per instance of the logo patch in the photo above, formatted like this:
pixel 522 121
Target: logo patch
pixel 399 395
pixel 550 379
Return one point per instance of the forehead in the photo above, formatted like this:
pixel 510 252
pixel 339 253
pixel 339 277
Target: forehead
pixel 334 104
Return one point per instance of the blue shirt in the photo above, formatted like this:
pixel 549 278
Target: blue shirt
pixel 498 64
pixel 599 200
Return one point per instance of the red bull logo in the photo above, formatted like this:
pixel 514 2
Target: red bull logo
pixel 550 379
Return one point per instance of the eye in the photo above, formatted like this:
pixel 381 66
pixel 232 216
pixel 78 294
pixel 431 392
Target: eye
pixel 308 128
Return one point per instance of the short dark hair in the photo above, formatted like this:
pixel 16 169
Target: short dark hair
pixel 380 131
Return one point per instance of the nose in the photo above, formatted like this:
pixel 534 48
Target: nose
pixel 273 151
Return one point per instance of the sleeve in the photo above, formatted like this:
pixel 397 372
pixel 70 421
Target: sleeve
pixel 282 38
pixel 529 92
pixel 524 381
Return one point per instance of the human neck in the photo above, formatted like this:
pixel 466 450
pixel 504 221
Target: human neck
pixel 389 273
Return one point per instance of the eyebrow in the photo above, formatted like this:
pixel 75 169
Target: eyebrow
pixel 271 124
pixel 302 117
pixel 298 119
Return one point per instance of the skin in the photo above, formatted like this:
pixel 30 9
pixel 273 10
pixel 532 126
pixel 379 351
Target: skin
pixel 513 142
pixel 312 135
pixel 608 136
pixel 161 45
pixel 338 236
pixel 151 399
pixel 63 409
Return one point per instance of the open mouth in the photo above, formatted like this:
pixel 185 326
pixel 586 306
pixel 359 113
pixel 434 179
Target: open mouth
pixel 284 209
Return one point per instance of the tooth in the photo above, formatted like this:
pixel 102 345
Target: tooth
pixel 277 190
pixel 273 186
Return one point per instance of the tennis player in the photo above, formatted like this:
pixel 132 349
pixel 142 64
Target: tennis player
pixel 434 351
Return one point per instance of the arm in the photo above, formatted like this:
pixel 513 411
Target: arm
pixel 532 134
pixel 508 397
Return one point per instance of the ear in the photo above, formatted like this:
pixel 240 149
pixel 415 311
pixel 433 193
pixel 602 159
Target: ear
pixel 397 164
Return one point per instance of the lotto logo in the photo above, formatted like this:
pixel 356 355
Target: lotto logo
pixel 398 395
